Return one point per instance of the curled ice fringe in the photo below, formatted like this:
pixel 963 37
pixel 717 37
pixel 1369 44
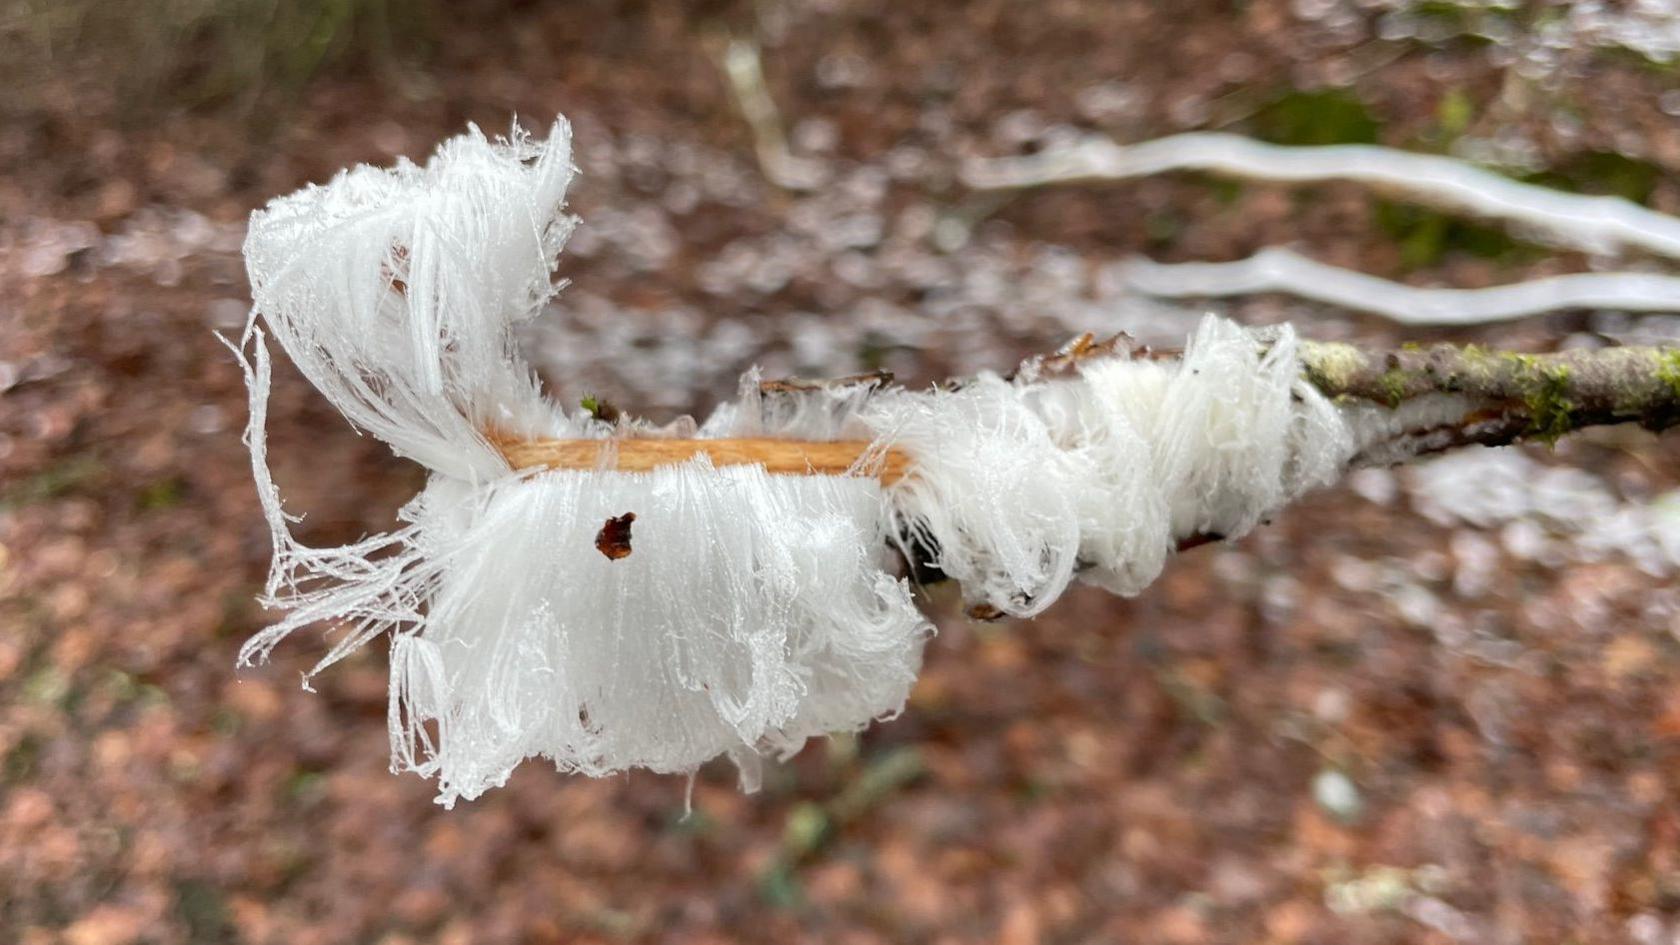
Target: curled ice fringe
pixel 395 291
pixel 1018 486
pixel 753 611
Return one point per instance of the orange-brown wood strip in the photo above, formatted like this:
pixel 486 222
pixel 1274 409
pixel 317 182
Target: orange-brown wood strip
pixel 786 457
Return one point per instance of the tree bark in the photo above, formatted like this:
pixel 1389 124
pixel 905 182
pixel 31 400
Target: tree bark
pixel 1515 396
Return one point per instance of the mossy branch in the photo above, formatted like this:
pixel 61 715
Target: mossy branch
pixel 1513 396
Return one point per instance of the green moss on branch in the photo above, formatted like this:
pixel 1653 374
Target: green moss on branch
pixel 1513 395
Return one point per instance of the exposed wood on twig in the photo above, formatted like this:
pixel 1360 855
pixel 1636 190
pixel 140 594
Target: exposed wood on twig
pixel 785 457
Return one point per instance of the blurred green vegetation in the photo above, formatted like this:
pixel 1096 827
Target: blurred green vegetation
pixel 1425 236
pixel 812 825
pixel 1332 116
pixel 1468 22
pixel 1454 114
pixel 78 473
pixel 1602 172
pixel 197 52
pixel 1338 116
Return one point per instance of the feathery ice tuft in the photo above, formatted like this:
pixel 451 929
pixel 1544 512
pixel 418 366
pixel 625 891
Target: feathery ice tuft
pixel 749 610
pixel 754 613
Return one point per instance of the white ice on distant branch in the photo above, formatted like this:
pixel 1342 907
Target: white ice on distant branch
pixel 1589 223
pixel 752 610
pixel 1282 270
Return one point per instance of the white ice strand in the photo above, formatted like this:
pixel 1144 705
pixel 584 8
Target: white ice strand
pixel 1106 418
pixel 1221 429
pixel 1385 436
pixel 818 412
pixel 368 587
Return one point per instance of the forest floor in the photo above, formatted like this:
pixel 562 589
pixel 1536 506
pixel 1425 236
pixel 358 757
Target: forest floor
pixel 1432 705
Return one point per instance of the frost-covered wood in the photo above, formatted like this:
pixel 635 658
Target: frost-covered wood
pixel 626 611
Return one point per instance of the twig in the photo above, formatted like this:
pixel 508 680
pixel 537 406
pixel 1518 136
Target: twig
pixel 1281 270
pixel 1510 397
pixel 1514 396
